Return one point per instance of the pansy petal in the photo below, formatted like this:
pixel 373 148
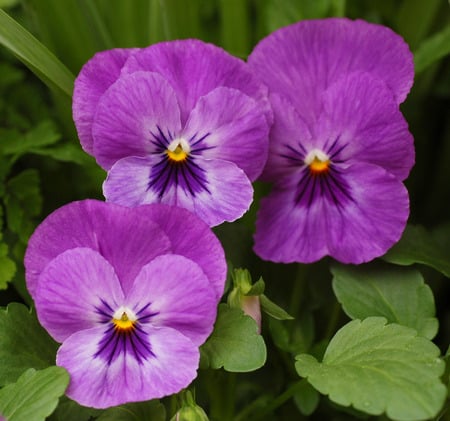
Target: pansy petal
pixel 353 223
pixel 126 237
pixel 237 132
pixel 185 229
pixel 96 76
pixel 290 141
pixel 360 110
pixel 179 294
pixel 194 68
pixel 74 290
pixel 134 116
pixel 301 60
pixel 95 382
pixel 214 190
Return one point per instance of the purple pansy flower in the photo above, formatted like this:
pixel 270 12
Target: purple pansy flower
pixel 339 146
pixel 181 122
pixel 130 293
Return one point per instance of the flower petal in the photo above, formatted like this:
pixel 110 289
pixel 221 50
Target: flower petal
pixel 214 190
pixel 237 132
pixel 96 76
pixel 136 114
pixel 360 111
pixel 180 294
pixel 363 226
pixel 72 292
pixel 194 68
pixel 96 383
pixel 126 237
pixel 301 60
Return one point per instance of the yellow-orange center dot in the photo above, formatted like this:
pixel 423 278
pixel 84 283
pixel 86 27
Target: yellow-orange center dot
pixel 178 150
pixel 124 319
pixel 317 161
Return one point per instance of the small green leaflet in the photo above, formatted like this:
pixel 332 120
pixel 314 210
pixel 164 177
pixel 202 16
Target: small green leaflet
pixel 234 344
pixel 35 394
pixel 139 411
pixel 378 367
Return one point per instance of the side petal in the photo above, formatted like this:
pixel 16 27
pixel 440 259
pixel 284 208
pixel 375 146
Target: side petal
pixel 179 294
pixel 194 68
pixel 301 60
pixel 361 111
pixel 95 382
pixel 233 127
pixel 214 190
pixel 74 291
pixel 355 230
pixel 96 76
pixel 137 115
pixel 126 237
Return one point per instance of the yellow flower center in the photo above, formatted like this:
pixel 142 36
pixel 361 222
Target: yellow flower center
pixel 317 161
pixel 124 319
pixel 178 150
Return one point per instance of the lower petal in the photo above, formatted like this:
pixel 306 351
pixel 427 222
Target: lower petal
pixel 95 382
pixel 356 230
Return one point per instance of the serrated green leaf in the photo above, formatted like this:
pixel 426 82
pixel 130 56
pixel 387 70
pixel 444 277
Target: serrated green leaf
pixel 234 344
pixel 34 54
pixel 23 343
pixel 140 411
pixel 377 367
pixel 398 294
pixel 432 49
pixel 35 394
pixel 273 310
pixel 418 246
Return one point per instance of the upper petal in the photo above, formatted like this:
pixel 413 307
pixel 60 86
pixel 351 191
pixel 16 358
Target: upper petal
pixel 301 60
pixel 136 116
pixel 126 237
pixel 97 383
pixel 96 76
pixel 233 128
pixel 360 111
pixel 72 292
pixel 194 68
pixel 179 294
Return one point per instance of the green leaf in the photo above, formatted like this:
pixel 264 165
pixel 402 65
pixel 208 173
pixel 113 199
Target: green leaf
pixel 378 367
pixel 69 410
pixel 35 394
pixel 7 267
pixel 141 411
pixel 34 54
pixel 306 398
pixel 398 294
pixel 234 344
pixel 23 202
pixel 273 310
pixel 417 245
pixel 23 343
pixel 67 152
pixel 432 50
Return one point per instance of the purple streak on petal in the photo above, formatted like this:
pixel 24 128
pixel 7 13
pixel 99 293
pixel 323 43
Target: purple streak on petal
pixel 126 237
pixel 354 223
pixel 301 60
pixel 185 229
pixel 180 294
pixel 96 383
pixel 71 289
pixel 96 76
pixel 361 110
pixel 237 132
pixel 132 116
pixel 194 68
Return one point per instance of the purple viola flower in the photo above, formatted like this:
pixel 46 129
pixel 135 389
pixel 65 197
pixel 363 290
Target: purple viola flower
pixel 339 146
pixel 181 122
pixel 130 293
